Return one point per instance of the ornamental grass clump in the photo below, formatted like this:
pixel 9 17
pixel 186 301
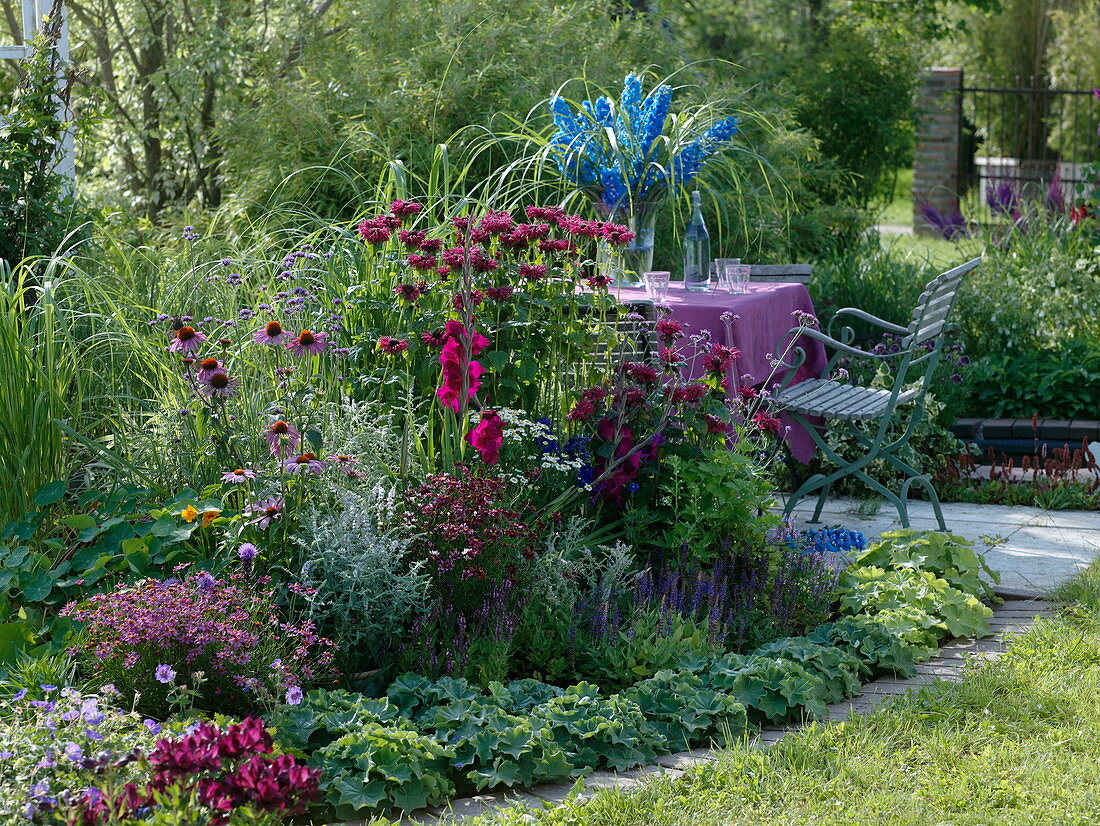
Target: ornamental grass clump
pixel 218 645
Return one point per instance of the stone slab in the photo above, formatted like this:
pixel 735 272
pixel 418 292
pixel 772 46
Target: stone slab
pixel 687 759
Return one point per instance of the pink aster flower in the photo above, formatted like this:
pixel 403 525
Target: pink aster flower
pixel 306 463
pixel 272 333
pixel 282 438
pixel 238 476
pixel 220 385
pixel 308 342
pixel 187 340
pixel 265 511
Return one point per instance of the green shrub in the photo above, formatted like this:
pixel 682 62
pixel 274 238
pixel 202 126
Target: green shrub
pixel 889 641
pixel 868 590
pixel 1037 289
pixel 837 668
pixel 1058 383
pixel 946 555
pixel 858 101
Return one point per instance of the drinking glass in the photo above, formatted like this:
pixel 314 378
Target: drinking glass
pixel 656 285
pixel 733 275
pixel 739 278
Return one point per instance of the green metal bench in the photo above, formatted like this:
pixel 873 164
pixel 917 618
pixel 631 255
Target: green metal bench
pixel 847 404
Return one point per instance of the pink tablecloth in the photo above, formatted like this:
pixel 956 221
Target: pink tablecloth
pixel 765 315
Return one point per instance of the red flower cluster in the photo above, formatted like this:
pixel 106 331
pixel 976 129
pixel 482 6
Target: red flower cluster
pixel 720 358
pixel 229 770
pixel 465 532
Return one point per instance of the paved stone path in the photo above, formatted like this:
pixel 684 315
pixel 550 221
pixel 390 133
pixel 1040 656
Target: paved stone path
pixel 1034 550
pixel 1008 619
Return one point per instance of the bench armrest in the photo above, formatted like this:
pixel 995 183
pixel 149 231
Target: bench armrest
pixel 870 319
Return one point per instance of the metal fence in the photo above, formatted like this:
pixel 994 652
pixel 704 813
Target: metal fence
pixel 1021 139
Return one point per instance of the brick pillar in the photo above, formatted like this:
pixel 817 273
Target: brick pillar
pixel 936 155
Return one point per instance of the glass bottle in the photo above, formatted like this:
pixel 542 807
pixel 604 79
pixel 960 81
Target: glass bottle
pixel 696 248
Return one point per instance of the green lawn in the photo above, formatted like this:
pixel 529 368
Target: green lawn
pixel 1017 742
pixel 899 210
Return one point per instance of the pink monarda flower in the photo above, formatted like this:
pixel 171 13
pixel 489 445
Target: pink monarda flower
pixel 487 437
pixel 375 231
pixel 599 282
pixel 537 213
pixel 207 368
pixel 499 293
pixel 308 342
pixel 392 346
pixel 238 476
pixel 767 423
pixel 266 511
pixel 532 272
pixel 422 262
pixel 434 338
pixel 220 385
pixel 431 245
pixel 306 463
pixel 720 358
pixel 555 245
pixel 497 222
pixel 408 292
pixel 282 438
pixel 669 330
pixel 411 238
pixel 271 333
pixel 402 208
pixel 618 234
pixel 187 340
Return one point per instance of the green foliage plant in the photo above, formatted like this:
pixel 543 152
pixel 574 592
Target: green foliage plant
pixel 709 498
pixel 772 689
pixel 382 767
pixel 868 589
pixel 946 555
pixel 685 712
pixel 889 641
pixel 838 669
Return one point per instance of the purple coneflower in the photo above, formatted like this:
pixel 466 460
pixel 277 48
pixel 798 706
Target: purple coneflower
pixel 238 476
pixel 308 342
pixel 208 367
pixel 187 340
pixel 306 463
pixel 265 511
pixel 282 438
pixel 220 385
pixel 346 464
pixel 271 333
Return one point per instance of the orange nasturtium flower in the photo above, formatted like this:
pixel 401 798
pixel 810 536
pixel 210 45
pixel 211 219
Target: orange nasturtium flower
pixel 189 513
pixel 209 516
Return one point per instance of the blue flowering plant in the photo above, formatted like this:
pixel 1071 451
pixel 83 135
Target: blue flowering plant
pixel 631 154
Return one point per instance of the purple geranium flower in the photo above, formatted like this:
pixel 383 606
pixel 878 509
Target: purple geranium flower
pixel 165 674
